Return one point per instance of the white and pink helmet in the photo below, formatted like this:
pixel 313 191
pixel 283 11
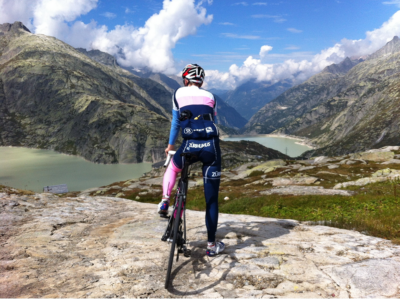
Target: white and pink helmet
pixel 194 73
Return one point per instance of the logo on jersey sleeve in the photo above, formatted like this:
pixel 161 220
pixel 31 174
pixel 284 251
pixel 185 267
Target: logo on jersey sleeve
pixel 209 130
pixel 188 131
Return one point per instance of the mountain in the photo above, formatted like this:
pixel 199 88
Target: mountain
pixel 52 96
pixel 161 88
pixel 221 93
pixel 299 99
pixel 101 57
pixel 227 116
pixel 251 96
pixel 391 47
pixel 349 110
pixel 159 92
pixel 171 83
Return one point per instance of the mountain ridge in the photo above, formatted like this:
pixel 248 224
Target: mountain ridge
pixel 54 97
pixel 334 109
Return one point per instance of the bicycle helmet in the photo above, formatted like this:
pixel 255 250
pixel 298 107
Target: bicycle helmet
pixel 194 73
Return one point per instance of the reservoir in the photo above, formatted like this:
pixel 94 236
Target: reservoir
pixel 33 169
pixel 285 145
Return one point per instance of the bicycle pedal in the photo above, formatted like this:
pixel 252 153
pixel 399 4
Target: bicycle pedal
pixel 187 253
pixel 165 216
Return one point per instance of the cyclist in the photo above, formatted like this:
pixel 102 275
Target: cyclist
pixel 193 111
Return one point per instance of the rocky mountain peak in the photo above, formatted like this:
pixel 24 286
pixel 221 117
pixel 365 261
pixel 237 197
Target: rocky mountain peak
pixel 343 67
pixel 99 56
pixel 391 47
pixel 16 28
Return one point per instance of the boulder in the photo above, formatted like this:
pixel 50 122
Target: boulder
pixel 297 180
pixel 379 176
pixel 387 172
pixel 322 160
pixel 306 168
pixel 305 190
pixel 265 167
pixel 333 166
pixel 384 149
pixel 392 161
pixel 296 166
pixel 360 182
pixel 376 156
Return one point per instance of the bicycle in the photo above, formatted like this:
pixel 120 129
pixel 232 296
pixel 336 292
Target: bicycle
pixel 175 223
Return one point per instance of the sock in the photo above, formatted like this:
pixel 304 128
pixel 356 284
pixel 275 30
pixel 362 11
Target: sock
pixel 210 244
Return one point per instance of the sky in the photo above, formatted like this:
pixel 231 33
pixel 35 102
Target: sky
pixel 234 41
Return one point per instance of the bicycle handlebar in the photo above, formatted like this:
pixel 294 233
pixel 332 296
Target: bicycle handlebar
pixel 170 154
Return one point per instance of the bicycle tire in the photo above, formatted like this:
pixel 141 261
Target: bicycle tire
pixel 172 252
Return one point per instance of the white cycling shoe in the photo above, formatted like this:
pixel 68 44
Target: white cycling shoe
pixel 216 248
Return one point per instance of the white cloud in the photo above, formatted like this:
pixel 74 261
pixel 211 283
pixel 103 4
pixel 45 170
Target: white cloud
pixel 151 45
pixel 44 16
pixel 17 10
pixel 294 30
pixel 234 35
pixel 301 69
pixel 50 18
pixel 276 19
pixel 394 2
pixel 109 15
pixel 264 50
pixel 240 3
pixel 291 47
pixel 148 46
pixel 260 3
pixel 226 24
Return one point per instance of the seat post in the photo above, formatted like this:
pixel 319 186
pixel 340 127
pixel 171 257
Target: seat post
pixel 187 157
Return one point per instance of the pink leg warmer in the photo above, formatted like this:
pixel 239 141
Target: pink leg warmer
pixel 170 178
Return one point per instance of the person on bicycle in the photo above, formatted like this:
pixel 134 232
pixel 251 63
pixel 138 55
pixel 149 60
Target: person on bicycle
pixel 194 110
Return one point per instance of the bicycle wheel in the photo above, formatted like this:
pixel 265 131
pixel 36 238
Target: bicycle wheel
pixel 174 238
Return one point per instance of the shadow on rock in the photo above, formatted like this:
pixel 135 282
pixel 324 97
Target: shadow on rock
pixel 244 240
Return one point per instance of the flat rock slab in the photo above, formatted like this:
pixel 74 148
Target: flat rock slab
pixel 305 190
pixel 109 247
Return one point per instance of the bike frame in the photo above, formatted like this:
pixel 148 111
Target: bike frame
pixel 173 232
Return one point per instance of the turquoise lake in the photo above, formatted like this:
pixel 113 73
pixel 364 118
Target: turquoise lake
pixel 33 169
pixel 285 145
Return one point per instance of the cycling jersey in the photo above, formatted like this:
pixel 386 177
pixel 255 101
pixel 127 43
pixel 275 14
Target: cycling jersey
pixel 201 103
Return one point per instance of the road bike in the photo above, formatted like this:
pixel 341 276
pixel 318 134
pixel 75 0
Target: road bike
pixel 175 233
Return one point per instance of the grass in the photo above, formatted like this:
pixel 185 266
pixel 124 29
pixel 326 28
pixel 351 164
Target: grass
pixel 10 190
pixel 373 210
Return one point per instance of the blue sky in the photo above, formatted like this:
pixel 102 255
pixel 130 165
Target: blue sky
pixel 239 28
pixel 225 37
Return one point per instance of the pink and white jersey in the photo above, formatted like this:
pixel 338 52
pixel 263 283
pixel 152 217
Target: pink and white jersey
pixel 195 99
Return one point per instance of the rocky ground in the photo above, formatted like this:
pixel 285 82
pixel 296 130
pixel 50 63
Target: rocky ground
pixel 110 247
pixel 97 244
